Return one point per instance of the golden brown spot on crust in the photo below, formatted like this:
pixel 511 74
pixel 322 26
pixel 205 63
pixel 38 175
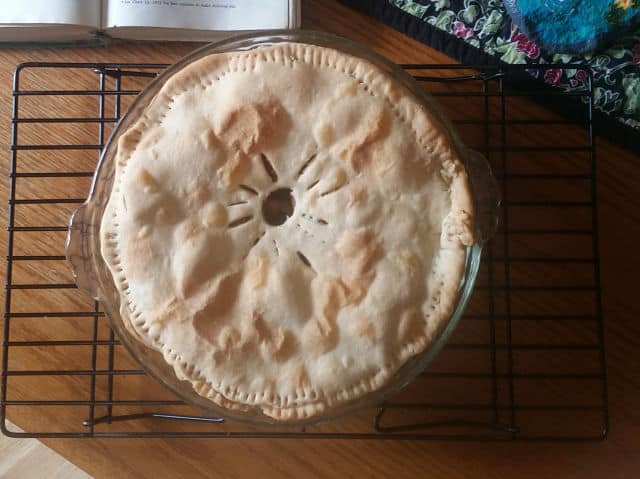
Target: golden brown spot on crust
pixel 222 298
pixel 170 310
pixel 196 263
pixel 277 344
pixel 280 346
pixel 214 215
pixel 233 171
pixel 360 252
pixel 139 255
pixel 363 328
pixel 208 139
pixel 409 260
pixel 411 325
pixel 229 341
pixel 228 338
pixel 128 142
pixel 360 151
pixel 346 89
pixel 360 249
pixel 358 289
pixel 358 195
pixel 321 333
pixel 200 387
pixel 151 138
pixel 277 340
pixel 324 134
pixel 338 180
pixel 257 269
pixel 259 325
pixel 252 126
pixel 336 295
pixel 319 336
pixel 147 181
pixel 297 375
pixel 189 230
pixel 197 195
pixel 216 303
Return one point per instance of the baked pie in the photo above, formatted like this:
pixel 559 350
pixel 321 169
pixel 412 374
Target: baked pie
pixel 288 226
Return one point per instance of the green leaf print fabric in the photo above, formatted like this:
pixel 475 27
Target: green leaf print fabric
pixel 480 31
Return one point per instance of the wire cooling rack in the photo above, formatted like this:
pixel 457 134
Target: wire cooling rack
pixel 525 363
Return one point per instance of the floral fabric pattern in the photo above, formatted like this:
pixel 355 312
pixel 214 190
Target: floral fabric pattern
pixel 618 9
pixel 485 25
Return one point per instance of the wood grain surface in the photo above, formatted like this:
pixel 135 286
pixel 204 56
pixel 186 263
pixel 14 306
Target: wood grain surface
pixel 619 203
pixel 25 458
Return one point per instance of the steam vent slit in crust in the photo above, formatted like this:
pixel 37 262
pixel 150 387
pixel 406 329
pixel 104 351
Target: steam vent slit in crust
pixel 288 226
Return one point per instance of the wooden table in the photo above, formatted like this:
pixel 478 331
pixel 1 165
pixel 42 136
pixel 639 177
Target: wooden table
pixel 617 456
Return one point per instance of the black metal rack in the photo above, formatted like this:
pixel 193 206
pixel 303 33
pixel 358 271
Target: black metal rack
pixel 525 363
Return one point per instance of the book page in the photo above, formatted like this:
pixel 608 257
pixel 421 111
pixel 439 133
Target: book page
pixel 197 14
pixel 43 12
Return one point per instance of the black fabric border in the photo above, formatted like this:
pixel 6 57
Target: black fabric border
pixel 606 126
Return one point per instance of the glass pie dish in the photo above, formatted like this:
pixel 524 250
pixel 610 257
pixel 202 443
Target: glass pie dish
pixel 92 274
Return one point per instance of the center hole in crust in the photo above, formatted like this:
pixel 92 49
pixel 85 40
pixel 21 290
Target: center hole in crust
pixel 278 206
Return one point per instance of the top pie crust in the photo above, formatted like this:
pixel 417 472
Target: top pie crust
pixel 300 318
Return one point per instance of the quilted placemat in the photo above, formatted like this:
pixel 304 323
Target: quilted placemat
pixel 481 31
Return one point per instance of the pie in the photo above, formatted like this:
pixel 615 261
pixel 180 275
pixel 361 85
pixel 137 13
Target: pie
pixel 288 226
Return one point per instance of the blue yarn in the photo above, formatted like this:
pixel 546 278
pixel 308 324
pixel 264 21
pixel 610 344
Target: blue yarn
pixel 569 25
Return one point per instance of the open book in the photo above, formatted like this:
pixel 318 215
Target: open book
pixel 64 21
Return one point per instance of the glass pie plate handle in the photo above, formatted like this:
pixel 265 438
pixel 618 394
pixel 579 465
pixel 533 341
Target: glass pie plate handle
pixel 486 195
pixel 83 236
pixel 79 249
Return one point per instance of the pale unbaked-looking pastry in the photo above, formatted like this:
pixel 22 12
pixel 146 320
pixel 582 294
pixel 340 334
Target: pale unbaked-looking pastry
pixel 288 226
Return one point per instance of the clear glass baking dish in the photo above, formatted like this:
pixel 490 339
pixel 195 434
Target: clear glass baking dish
pixel 93 276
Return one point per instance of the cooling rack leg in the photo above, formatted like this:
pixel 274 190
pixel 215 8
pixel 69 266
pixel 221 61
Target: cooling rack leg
pixel 153 415
pixel 490 289
pixel 506 253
